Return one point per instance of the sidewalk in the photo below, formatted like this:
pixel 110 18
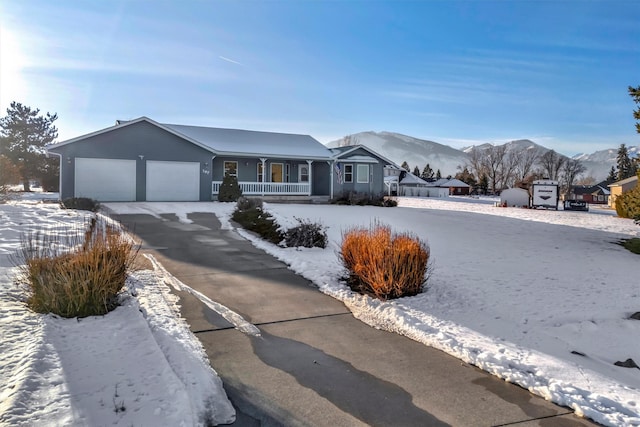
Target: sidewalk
pixel 314 364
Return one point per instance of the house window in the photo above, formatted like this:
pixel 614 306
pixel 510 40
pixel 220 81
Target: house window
pixel 260 173
pixel 287 172
pixel 231 168
pixel 348 173
pixel 600 198
pixel 363 173
pixel 303 173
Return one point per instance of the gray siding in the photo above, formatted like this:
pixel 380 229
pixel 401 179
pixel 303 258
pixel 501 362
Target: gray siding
pixel 131 142
pixel 376 175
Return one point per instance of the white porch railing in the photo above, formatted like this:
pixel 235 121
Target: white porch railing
pixel 268 188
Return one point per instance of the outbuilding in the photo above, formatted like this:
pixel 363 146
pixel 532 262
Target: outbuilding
pixel 514 197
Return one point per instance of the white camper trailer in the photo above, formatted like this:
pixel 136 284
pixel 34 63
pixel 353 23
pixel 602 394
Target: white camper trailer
pixel 545 194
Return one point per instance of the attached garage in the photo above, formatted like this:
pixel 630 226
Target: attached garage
pixel 106 180
pixel 173 181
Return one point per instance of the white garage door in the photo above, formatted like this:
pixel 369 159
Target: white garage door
pixel 173 181
pixel 107 180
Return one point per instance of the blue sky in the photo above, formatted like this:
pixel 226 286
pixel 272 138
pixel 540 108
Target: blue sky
pixel 456 72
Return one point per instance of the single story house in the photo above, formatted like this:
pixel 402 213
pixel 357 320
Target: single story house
pixel 143 160
pixel 593 194
pixel 454 186
pixel 617 188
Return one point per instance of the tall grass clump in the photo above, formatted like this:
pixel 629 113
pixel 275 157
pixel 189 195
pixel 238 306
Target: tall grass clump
pixel 76 272
pixel 384 264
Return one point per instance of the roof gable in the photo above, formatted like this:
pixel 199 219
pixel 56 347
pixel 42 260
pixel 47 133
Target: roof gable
pixel 343 152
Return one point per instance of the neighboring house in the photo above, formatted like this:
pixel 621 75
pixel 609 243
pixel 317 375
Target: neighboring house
pixel 454 187
pixel 142 160
pixel 593 194
pixel 617 188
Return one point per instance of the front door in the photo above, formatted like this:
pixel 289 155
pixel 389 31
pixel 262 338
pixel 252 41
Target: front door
pixel 277 172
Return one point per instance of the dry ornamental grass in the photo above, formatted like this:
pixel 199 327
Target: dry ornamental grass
pixel 77 272
pixel 384 264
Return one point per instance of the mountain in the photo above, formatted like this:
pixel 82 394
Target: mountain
pixel 418 152
pixel 402 148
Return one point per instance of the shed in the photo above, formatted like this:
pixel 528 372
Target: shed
pixel 514 197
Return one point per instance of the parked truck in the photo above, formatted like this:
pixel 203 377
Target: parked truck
pixel 545 194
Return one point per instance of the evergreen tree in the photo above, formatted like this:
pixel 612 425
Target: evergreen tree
pixel 405 166
pixel 484 183
pixel 427 173
pixel 416 171
pixel 23 136
pixel 626 167
pixel 230 190
pixel 438 174
pixel 466 177
pixel 612 174
pixel 634 92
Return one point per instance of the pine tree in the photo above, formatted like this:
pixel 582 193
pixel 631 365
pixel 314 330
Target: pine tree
pixel 230 190
pixel 416 171
pixel 438 174
pixel 626 167
pixel 634 92
pixel 427 173
pixel 612 174
pixel 405 166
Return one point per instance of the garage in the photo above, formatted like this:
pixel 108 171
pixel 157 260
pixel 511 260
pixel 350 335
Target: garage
pixel 173 181
pixel 107 180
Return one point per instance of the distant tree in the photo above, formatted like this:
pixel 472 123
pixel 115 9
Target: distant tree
pixel 551 164
pixel 438 174
pixel 634 92
pixel 483 184
pixel 466 177
pixel 405 166
pixel 586 180
pixel 527 159
pixel 626 166
pixel 613 176
pixel 427 173
pixel 571 169
pixel 9 175
pixel 23 136
pixel 416 171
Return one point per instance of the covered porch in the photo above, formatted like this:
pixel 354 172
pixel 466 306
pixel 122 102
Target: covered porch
pixel 268 188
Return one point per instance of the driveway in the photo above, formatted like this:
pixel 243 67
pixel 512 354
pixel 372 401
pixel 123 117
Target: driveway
pixel 313 362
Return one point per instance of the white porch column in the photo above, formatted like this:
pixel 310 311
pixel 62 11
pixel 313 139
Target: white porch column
pixel 330 178
pixel 310 181
pixel 263 160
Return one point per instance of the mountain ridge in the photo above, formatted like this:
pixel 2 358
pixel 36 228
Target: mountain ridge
pixel 400 147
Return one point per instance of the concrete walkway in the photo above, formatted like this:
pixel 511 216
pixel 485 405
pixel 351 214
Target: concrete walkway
pixel 314 364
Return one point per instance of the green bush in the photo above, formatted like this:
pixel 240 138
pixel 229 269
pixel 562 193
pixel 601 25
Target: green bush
pixel 230 190
pixel 80 203
pixel 384 264
pixel 362 199
pixel 246 203
pixel 78 272
pixel 628 204
pixel 260 222
pixel 306 234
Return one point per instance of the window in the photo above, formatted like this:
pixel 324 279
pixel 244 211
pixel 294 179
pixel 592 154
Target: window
pixel 303 173
pixel 231 168
pixel 260 173
pixel 348 173
pixel 287 172
pixel 363 173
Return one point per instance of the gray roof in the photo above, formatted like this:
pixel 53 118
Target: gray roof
pixel 236 141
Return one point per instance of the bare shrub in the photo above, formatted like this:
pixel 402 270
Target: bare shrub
pixel 76 272
pixel 385 264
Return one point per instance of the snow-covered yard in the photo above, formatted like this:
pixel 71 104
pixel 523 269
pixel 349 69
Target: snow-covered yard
pixel 539 298
pixel 138 365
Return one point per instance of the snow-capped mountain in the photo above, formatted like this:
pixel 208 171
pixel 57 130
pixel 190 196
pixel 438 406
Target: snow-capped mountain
pixel 418 152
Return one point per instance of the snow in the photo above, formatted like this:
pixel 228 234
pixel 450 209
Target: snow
pixel 514 291
pixel 138 365
pixel 540 298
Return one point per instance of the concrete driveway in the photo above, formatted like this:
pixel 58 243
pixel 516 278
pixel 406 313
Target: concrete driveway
pixel 314 364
